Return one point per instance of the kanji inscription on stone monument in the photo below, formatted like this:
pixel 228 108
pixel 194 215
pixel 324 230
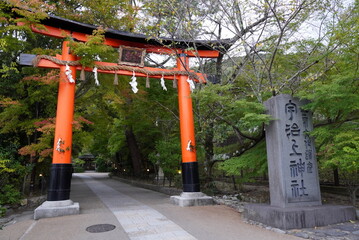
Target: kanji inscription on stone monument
pixel 292 164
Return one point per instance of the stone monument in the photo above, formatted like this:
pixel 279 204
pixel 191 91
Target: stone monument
pixel 295 200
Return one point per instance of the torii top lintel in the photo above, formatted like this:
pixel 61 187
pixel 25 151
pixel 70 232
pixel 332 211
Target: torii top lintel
pixel 61 28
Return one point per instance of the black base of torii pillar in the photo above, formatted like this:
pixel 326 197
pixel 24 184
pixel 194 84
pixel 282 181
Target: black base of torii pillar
pixel 191 195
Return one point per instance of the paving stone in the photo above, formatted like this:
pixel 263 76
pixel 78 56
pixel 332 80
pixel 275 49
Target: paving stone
pixel 351 237
pixel 301 235
pixel 138 220
pixel 347 227
pixel 335 233
pixel 277 230
pixel 320 234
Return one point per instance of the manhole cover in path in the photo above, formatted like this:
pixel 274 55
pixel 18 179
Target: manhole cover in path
pixel 98 228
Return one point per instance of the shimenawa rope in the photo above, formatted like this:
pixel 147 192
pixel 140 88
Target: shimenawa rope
pixel 192 75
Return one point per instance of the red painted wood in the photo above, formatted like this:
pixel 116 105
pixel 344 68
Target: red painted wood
pixel 65 112
pixel 186 115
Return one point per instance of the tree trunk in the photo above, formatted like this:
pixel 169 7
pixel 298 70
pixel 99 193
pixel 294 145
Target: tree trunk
pixel 32 175
pixel 234 183
pixel 219 67
pixel 134 152
pixel 336 176
pixel 354 196
pixel 208 146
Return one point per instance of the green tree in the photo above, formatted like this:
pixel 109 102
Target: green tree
pixel 335 101
pixel 167 155
pixel 114 14
pixel 21 99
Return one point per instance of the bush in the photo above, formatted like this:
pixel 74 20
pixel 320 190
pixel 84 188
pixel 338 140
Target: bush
pixel 79 169
pixel 103 165
pixel 2 212
pixel 9 195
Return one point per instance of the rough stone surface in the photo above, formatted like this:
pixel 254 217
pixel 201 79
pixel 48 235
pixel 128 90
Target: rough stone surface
pixel 292 165
pixel 301 235
pixel 349 228
pixel 188 199
pixel 56 209
pixel 299 217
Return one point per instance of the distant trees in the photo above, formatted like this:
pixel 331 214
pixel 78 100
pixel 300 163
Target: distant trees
pixel 335 101
pixel 25 99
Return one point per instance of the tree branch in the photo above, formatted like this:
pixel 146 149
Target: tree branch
pixel 169 110
pixel 236 129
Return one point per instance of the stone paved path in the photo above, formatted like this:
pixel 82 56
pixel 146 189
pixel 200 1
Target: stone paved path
pixel 138 220
pixel 135 213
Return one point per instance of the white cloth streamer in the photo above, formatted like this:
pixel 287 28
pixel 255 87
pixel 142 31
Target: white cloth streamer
pixel 68 73
pixel 191 84
pixel 189 146
pixel 163 83
pixel 133 83
pixel 58 145
pixel 94 70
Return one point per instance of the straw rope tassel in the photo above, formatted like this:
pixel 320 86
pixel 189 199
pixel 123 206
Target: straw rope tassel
pixel 82 74
pixel 115 80
pixel 147 82
pixel 174 83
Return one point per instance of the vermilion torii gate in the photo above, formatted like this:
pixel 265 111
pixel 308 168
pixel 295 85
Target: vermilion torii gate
pixel 59 187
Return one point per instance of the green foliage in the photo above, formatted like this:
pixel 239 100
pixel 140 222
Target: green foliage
pixel 339 147
pixel 103 164
pixel 252 163
pixel 335 101
pixel 116 14
pixel 93 49
pixel 344 151
pixel 335 98
pixel 224 104
pixel 2 213
pixel 167 155
pixel 11 173
pixel 78 165
pixel 117 139
pixel 9 195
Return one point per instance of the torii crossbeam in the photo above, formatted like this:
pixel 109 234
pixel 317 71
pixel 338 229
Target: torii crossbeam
pixel 60 181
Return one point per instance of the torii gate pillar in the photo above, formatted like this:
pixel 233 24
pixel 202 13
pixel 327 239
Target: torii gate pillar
pixel 191 195
pixel 58 197
pixel 190 178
